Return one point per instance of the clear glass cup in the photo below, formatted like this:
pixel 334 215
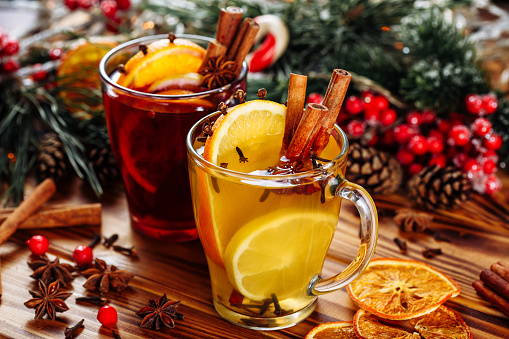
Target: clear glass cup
pixel 147 134
pixel 266 236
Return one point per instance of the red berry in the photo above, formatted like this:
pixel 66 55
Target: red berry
pixel 313 98
pixel 113 23
pixel 85 4
pixel 388 117
pixel 388 138
pixel 342 117
pixel 373 141
pixel 489 155
pixel 489 103
pixel 481 127
pixel 124 4
pixel 493 141
pixel 473 103
pixel 109 8
pixel 492 184
pixel 459 159
pixel 368 96
pixel 428 116
pixel 355 128
pixel 414 118
pixel 438 159
pixel 11 47
pixel 55 53
pixel 40 74
pixel 405 157
pixel 471 165
pixel 435 133
pixel 354 105
pixel 444 125
pixel 418 145
pixel 371 115
pixel 10 66
pixel 402 133
pixel 83 255
pixel 435 144
pixel 489 166
pixel 415 168
pixel 71 4
pixel 459 135
pixel 107 316
pixel 38 244
pixel 380 102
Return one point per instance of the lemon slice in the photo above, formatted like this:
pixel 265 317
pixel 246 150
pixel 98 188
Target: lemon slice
pixel 278 253
pixel 176 81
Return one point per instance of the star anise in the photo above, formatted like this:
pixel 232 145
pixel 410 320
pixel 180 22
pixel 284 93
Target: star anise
pixel 412 221
pixel 49 271
pixel 159 313
pixel 48 300
pixel 102 277
pixel 218 72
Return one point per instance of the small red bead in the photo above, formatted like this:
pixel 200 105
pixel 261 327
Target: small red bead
pixel 471 165
pixel 123 4
pixel 83 255
pixel 481 127
pixel 313 98
pixel 85 4
pixel 435 133
pixel 372 115
pixel 415 168
pixel 414 118
pixel 459 135
pixel 438 159
pixel 473 103
pixel 428 116
pixel 405 157
pixel 354 105
pixel 10 47
pixel 403 132
pixel 492 184
pixel 489 103
pixel 444 125
pixel 380 102
pixel 435 145
pixel 107 316
pixel 71 4
pixel 40 74
pixel 38 244
pixel 10 66
pixel 418 145
pixel 55 53
pixel 109 8
pixel 388 117
pixel 489 166
pixel 493 141
pixel 355 128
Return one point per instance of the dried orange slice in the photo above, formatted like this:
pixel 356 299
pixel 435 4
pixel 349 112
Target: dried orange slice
pixel 442 323
pixel 368 326
pixel 336 330
pixel 162 60
pixel 401 289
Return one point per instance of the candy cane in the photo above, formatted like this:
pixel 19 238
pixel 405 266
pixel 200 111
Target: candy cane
pixel 276 35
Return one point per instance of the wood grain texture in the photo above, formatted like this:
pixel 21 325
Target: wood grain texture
pixel 479 234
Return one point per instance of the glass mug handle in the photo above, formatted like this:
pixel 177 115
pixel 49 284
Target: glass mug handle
pixel 369 234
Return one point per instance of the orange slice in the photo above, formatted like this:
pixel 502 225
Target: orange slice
pixel 333 330
pixel 401 289
pixel 176 81
pixel 163 59
pixel 367 326
pixel 257 128
pixel 200 103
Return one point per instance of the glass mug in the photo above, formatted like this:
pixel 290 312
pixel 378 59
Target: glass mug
pixel 266 236
pixel 147 134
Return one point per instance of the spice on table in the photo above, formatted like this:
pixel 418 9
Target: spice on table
pixel 401 244
pixel 48 300
pixel 494 285
pixel 95 240
pixel 97 300
pixel 115 335
pixel 102 277
pixel 412 221
pixel 72 332
pixel 48 271
pixel 431 252
pixel 129 251
pixel 159 313
pixel 491 296
pixel 110 240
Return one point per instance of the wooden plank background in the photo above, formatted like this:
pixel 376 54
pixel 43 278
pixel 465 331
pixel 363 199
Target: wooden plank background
pixel 479 234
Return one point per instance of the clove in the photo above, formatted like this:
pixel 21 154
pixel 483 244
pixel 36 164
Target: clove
pixel 95 240
pixel 109 241
pixel 143 49
pixel 71 332
pixel 262 93
pixel 401 244
pixel 98 300
pixel 242 158
pixel 431 252
pixel 132 252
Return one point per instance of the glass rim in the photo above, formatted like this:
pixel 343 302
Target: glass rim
pixel 317 172
pixel 106 78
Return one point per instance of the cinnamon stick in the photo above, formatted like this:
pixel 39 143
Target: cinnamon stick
pixel 243 42
pixel 306 132
pixel 228 24
pixel 39 196
pixel 60 216
pixel 502 269
pixel 496 282
pixel 295 106
pixel 0 278
pixel 215 50
pixel 491 296
pixel 333 100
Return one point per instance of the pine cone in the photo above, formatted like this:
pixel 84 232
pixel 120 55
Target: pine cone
pixel 435 187
pixel 376 171
pixel 104 164
pixel 52 159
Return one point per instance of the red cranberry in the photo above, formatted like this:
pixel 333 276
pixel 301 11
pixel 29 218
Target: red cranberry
pixel 373 141
pixel 428 116
pixel 493 141
pixel 492 184
pixel 438 159
pixel 415 168
pixel 459 159
pixel 459 135
pixel 418 145
pixel 83 255
pixel 489 103
pixel 71 4
pixel 38 244
pixel 481 127
pixel 402 133
pixel 490 155
pixel 126 4
pixel 354 105
pixel 55 53
pixel 471 165
pixel 372 115
pixel 388 117
pixel 405 157
pixel 380 102
pixel 85 4
pixel 40 74
pixel 414 118
pixel 342 117
pixel 435 144
pixel 355 128
pixel 107 316
pixel 10 66
pixel 435 133
pixel 444 125
pixel 11 47
pixel 313 98
pixel 473 103
pixel 489 166
pixel 109 8
pixel 388 138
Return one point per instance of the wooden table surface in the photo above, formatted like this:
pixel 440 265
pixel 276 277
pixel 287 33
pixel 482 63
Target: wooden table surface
pixel 479 234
